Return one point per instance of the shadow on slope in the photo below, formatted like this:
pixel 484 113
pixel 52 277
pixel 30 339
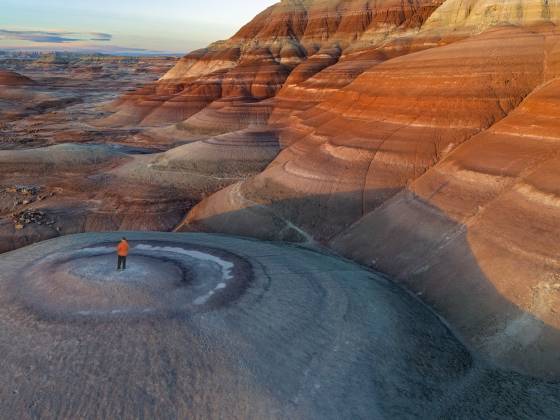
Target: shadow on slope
pixel 423 249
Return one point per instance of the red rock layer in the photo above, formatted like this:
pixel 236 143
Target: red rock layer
pixel 411 149
pixel 475 234
pixel 367 141
pixel 10 78
pixel 255 63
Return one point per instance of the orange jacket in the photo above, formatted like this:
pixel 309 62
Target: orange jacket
pixel 122 249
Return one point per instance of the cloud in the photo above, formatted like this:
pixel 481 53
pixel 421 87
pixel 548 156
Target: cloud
pixel 57 37
pixel 108 49
pixel 100 36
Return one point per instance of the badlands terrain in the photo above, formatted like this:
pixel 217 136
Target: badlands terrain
pixel 216 327
pixel 418 139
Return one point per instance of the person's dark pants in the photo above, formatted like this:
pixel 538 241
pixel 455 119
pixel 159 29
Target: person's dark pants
pixel 121 262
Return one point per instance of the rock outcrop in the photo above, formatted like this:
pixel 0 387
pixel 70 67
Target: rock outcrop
pixel 255 63
pixel 429 157
pixel 365 142
pixel 10 78
pixel 18 93
pixel 466 17
pixel 477 236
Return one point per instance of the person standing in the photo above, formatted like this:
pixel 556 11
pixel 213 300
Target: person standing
pixel 122 253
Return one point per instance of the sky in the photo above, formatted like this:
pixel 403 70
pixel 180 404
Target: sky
pixel 125 26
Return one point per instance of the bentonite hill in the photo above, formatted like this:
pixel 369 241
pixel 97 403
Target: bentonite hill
pixel 341 140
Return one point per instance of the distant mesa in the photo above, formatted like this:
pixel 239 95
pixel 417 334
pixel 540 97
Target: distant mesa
pixel 10 78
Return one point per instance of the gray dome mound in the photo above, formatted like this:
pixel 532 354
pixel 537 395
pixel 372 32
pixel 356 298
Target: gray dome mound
pixel 164 278
pixel 203 326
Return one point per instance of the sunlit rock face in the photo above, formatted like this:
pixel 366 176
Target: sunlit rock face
pixel 361 145
pixel 290 57
pixel 437 166
pixel 468 16
pixel 482 224
pixel 255 63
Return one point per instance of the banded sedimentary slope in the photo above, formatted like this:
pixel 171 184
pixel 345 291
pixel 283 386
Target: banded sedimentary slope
pixel 482 224
pixel 476 15
pixel 418 138
pixel 365 142
pixel 436 146
pixel 226 92
pixel 254 64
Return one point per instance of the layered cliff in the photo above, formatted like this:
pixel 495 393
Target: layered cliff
pixel 476 236
pixel 363 143
pixel 418 138
pixel 254 64
pixel 468 16
pixel 414 157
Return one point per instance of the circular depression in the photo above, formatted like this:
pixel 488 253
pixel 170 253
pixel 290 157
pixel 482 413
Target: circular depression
pixel 160 279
